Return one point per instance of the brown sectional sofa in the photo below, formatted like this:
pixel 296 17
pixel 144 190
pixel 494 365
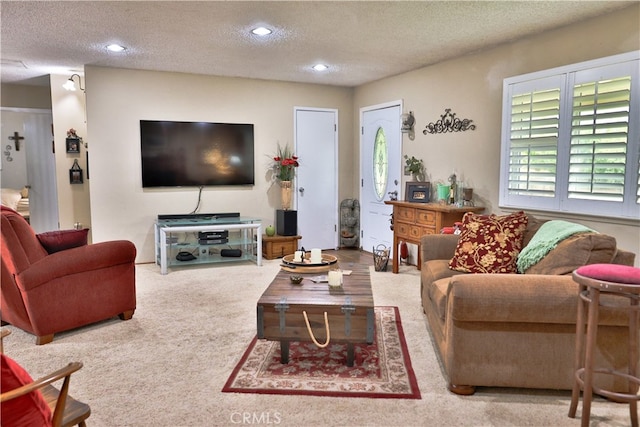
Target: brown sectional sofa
pixel 517 330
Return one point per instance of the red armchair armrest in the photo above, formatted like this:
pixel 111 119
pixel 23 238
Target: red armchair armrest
pixel 76 260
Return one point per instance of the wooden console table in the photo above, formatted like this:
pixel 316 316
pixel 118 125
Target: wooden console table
pixel 411 221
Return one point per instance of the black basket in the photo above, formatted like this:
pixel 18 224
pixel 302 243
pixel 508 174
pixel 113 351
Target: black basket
pixel 380 257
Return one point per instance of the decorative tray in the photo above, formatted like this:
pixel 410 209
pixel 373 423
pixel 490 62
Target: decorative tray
pixel 307 267
pixel 326 260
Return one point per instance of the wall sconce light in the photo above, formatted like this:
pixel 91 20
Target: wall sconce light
pixel 408 121
pixel 71 85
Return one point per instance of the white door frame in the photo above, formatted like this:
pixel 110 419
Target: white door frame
pixel 363 110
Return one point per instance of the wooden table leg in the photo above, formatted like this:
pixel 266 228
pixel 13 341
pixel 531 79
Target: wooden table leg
pixel 284 352
pixel 396 263
pixel 350 354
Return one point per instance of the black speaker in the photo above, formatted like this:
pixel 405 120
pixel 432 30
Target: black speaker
pixel 231 253
pixel 286 222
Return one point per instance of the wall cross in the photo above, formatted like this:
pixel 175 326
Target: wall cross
pixel 16 139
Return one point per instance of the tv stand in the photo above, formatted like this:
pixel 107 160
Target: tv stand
pixel 198 216
pixel 205 237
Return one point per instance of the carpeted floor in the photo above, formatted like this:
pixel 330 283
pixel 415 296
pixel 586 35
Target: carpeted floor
pixel 167 365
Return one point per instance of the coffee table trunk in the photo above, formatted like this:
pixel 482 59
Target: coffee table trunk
pixel 350 311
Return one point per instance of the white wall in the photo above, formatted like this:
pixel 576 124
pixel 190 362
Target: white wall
pixel 68 110
pixel 472 87
pixel 118 99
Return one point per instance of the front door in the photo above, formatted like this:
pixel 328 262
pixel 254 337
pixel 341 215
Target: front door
pixel 317 177
pixel 380 172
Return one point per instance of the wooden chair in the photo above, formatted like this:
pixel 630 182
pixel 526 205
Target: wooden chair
pixel 66 410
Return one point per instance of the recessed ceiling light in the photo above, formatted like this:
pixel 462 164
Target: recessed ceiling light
pixel 320 67
pixel 115 48
pixel 261 31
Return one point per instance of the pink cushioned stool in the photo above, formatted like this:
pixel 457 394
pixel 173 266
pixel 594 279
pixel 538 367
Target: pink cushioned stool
pixel 593 280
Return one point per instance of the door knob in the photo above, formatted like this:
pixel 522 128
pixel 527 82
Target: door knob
pixel 301 190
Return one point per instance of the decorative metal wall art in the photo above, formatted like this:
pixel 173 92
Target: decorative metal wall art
pixel 449 123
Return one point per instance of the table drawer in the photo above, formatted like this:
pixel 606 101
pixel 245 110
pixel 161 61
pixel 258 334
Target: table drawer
pixel 415 232
pixel 280 248
pixel 428 230
pixel 426 218
pixel 402 229
pixel 406 214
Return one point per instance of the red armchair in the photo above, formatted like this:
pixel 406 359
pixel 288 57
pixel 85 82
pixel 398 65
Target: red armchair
pixel 44 293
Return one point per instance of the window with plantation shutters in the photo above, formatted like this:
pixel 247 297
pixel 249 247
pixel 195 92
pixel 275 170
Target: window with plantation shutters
pixel 570 139
pixel 599 138
pixel 533 152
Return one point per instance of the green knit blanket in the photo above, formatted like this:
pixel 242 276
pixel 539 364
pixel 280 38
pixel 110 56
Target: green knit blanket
pixel 547 238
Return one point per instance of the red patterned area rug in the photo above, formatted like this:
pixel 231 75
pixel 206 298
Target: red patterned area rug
pixel 381 370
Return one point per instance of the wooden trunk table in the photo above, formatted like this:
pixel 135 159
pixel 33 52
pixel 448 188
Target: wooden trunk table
pixel 349 311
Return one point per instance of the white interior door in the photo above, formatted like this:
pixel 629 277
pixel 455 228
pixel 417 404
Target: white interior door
pixel 380 171
pixel 316 185
pixel 39 161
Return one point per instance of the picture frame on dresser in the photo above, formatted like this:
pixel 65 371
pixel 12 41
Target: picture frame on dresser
pixel 418 192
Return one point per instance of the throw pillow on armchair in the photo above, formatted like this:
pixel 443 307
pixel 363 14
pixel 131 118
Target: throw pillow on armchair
pixel 59 240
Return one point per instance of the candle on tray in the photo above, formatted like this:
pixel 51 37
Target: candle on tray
pixel 316 256
pixel 297 256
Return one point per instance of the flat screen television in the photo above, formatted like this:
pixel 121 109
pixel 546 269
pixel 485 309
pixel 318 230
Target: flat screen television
pixel 183 154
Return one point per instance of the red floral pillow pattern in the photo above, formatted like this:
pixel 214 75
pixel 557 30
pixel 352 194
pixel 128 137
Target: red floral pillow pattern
pixel 489 243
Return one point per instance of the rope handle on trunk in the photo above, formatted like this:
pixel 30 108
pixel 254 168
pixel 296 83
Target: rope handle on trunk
pixel 313 338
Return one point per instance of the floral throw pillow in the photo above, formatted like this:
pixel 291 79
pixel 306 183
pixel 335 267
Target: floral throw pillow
pixel 489 243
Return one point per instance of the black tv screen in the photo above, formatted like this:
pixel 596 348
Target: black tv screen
pixel 182 154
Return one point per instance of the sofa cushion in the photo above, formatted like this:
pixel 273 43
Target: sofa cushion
pixel 28 410
pixel 533 225
pixel 489 243
pixel 546 239
pixel 576 251
pixel 436 269
pixel 55 241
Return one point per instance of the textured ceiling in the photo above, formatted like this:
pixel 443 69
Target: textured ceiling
pixel 361 41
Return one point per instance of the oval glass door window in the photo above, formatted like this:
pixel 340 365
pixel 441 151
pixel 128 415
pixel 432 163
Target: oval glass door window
pixel 380 164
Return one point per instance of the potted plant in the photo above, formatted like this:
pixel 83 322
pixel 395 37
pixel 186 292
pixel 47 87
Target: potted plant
pixel 414 167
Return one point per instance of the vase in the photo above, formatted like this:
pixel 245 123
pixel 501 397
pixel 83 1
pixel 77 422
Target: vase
pixel 285 190
pixel 418 176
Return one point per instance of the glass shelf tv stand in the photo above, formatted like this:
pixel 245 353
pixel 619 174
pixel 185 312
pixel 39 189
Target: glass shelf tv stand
pixel 202 240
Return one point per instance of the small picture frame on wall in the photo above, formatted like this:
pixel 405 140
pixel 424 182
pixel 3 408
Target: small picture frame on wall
pixel 418 192
pixel 75 174
pixel 73 145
